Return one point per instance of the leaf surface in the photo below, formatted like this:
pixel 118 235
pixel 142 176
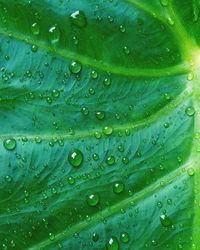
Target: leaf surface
pixel 116 83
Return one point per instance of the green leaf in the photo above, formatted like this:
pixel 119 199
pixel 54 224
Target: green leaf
pixel 99 113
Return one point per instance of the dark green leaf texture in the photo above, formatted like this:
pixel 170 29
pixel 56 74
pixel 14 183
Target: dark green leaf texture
pixel 118 82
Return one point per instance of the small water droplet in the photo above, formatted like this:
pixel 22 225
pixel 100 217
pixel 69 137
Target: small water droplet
pixel 51 236
pixel 170 21
pixel 100 115
pixel 95 237
pixel 93 199
pixel 190 171
pixel 190 76
pixel 75 67
pixel 165 221
pixel 79 19
pixel 75 157
pixel 126 50
pixel 54 35
pixel 112 244
pixel 164 2
pixel 118 187
pixel 190 111
pixel 107 130
pixel 124 237
pixel 110 160
pixel 94 74
pixel 107 82
pixel 10 144
pixel 34 48
pixel 35 29
pixel 85 111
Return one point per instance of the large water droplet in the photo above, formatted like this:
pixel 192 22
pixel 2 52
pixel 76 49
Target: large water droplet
pixel 107 130
pixel 75 157
pixel 54 34
pixel 124 237
pixel 35 29
pixel 110 160
pixel 190 111
pixel 93 199
pixel 118 187
pixel 10 144
pixel 112 244
pixel 75 67
pixel 165 221
pixel 79 19
pixel 100 115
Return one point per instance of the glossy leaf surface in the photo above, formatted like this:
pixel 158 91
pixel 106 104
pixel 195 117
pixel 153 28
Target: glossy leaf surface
pixel 100 124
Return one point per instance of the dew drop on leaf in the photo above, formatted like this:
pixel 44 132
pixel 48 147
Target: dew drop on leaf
pixel 100 115
pixel 94 74
pixel 51 236
pixel 165 221
pixel 35 29
pixel 75 157
pixel 10 144
pixel 75 67
pixel 71 180
pixel 190 111
pixel 118 187
pixel 8 178
pixel 85 111
pixel 54 34
pixel 164 2
pixel 112 244
pixel 79 19
pixel 95 237
pixel 34 48
pixel 191 171
pixel 107 81
pixel 55 93
pixel 93 199
pixel 110 160
pixel 124 237
pixel 107 130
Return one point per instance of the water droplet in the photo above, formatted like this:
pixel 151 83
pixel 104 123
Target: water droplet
pixel 95 237
pixel 110 160
pixel 94 74
pixel 126 50
pixel 122 28
pixel 118 187
pixel 124 237
pixel 191 171
pixel 107 82
pixel 100 115
pixel 75 157
pixel 54 34
pixel 8 178
pixel 51 236
pixel 107 130
pixel 55 93
pixel 167 125
pixel 96 157
pixel 35 29
pixel 190 76
pixel 71 180
pixel 165 221
pixel 85 111
pixel 190 111
pixel 38 139
pixel 164 2
pixel 112 244
pixel 170 21
pixel 75 67
pixel 34 48
pixel 10 144
pixel 93 199
pixel 125 160
pixel 79 19
pixel 97 135
pixel 120 148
